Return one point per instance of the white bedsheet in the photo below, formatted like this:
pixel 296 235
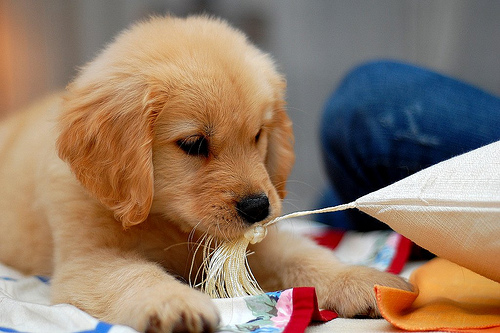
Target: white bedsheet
pixel 25 300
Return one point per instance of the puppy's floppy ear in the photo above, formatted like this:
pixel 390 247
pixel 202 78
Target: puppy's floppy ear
pixel 106 138
pixel 280 155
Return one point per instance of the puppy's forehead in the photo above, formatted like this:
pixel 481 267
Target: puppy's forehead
pixel 204 74
pixel 213 99
pixel 219 120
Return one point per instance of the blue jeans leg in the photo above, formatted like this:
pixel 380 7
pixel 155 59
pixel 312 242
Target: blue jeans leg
pixel 387 120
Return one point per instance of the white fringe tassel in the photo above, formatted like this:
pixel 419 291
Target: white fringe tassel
pixel 226 270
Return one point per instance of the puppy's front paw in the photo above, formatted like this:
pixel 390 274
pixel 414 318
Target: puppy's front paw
pixel 351 292
pixel 181 310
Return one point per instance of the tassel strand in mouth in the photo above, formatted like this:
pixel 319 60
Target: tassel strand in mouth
pixel 226 269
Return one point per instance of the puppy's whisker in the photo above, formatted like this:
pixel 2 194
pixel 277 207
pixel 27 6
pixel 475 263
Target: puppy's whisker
pixel 175 245
pixel 200 243
pixel 222 233
pixel 290 203
pixel 305 184
pixel 192 234
pixel 297 109
pixel 204 242
pixel 189 242
pixel 202 273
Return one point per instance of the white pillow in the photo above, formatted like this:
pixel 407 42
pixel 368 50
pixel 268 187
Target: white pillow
pixel 452 209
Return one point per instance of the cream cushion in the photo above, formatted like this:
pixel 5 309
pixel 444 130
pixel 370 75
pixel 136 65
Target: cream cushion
pixel 452 209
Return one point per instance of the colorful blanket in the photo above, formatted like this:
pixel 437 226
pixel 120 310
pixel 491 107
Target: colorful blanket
pixel 25 305
pixel 288 311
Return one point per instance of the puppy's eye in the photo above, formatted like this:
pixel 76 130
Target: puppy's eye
pixel 257 137
pixel 195 145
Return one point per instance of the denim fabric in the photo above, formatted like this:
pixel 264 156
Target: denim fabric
pixel 387 120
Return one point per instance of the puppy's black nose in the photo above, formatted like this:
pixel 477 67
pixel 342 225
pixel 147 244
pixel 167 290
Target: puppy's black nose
pixel 253 208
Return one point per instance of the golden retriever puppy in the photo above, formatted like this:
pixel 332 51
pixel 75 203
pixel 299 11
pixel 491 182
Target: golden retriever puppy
pixel 176 130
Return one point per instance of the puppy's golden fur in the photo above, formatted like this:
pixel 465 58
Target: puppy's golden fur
pixel 158 141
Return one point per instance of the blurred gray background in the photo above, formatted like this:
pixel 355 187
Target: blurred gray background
pixel 315 42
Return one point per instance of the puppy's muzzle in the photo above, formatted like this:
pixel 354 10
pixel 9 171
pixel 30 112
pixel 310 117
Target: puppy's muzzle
pixel 253 208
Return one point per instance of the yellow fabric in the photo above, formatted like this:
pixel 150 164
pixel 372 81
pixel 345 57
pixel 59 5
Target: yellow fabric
pixel 449 298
